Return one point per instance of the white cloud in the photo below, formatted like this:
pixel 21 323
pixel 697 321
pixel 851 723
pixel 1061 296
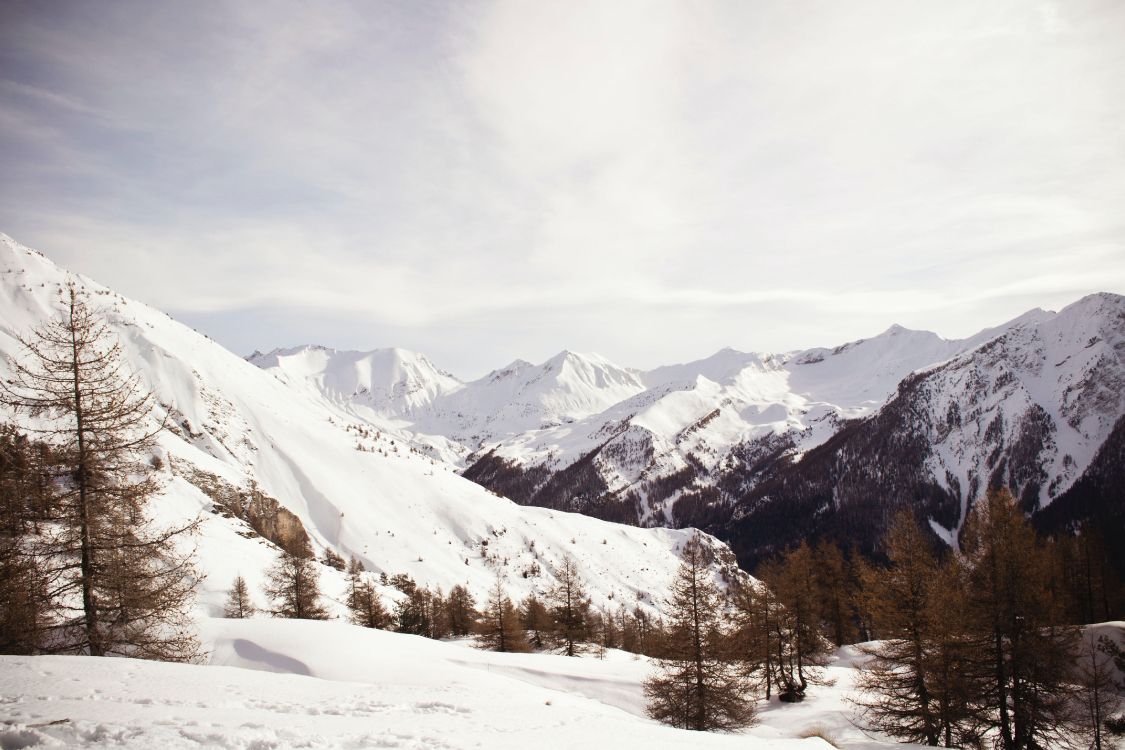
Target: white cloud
pixel 640 178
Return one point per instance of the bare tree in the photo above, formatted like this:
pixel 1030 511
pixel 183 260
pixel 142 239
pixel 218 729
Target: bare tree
pixel 367 608
pixel 1012 615
pixel 1096 695
pixel 461 610
pixel 293 585
pixel 238 604
pixel 116 584
pixel 699 685
pixel 570 607
pixel 499 626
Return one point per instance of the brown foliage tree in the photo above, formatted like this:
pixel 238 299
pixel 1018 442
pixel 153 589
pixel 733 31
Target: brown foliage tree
pixel 802 649
pixel 569 607
pixel 535 620
pixel 915 684
pixel 239 606
pixel 1014 620
pixel 293 586
pixel 116 584
pixel 366 608
pixel 461 611
pixel 499 627
pixel 698 684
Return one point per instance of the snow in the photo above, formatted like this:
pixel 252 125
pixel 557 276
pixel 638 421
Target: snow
pixel 696 413
pixel 391 505
pixel 285 683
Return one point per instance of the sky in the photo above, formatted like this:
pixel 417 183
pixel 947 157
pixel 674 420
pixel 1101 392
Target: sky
pixel 494 179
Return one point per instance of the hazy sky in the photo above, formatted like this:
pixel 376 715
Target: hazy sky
pixel 649 180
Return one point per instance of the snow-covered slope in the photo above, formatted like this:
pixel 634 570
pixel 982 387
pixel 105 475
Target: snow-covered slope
pixel 523 397
pixel 390 382
pixel 285 684
pixel 356 490
pixel 1028 409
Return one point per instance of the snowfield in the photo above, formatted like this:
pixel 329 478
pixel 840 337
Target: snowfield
pixel 291 683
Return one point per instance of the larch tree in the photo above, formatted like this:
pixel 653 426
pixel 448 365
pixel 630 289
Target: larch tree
pixel 23 600
pixel 1014 619
pixel 896 695
pixel 366 608
pixel 837 590
pixel 355 579
pixel 955 678
pixel 698 684
pixel 535 620
pixel 1096 694
pixel 802 649
pixel 759 634
pixel 569 607
pixel 238 605
pixel 117 585
pixel 499 627
pixel 461 611
pixel 293 586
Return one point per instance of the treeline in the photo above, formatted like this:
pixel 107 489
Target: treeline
pixel 561 618
pixel 974 647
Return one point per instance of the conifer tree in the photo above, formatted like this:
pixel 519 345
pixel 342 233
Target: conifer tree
pixel 802 648
pixel 499 628
pixel 760 639
pixel 1096 694
pixel 535 620
pixel 437 614
pixel 569 607
pixel 238 604
pixel 606 630
pixel 461 611
pixel 413 613
pixel 366 608
pixel 355 578
pixel 897 694
pixel 1014 620
pixel 293 586
pixel 23 600
pixel 837 591
pixel 118 585
pixel 954 674
pixel 698 684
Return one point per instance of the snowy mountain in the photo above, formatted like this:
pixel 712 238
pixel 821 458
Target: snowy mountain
pixel 389 382
pixel 1038 408
pixel 259 456
pixel 718 442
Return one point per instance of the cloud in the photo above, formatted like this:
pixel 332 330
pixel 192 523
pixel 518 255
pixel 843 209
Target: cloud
pixel 502 178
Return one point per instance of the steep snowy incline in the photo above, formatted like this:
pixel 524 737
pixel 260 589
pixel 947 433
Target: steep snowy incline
pixel 1028 410
pixel 240 431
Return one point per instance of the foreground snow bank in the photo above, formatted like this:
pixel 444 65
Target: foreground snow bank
pixel 281 684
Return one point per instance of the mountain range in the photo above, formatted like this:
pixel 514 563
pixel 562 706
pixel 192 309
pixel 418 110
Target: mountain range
pixel 265 464
pixel 765 449
pixel 385 456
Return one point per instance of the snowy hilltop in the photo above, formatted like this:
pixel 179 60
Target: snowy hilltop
pixel 260 459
